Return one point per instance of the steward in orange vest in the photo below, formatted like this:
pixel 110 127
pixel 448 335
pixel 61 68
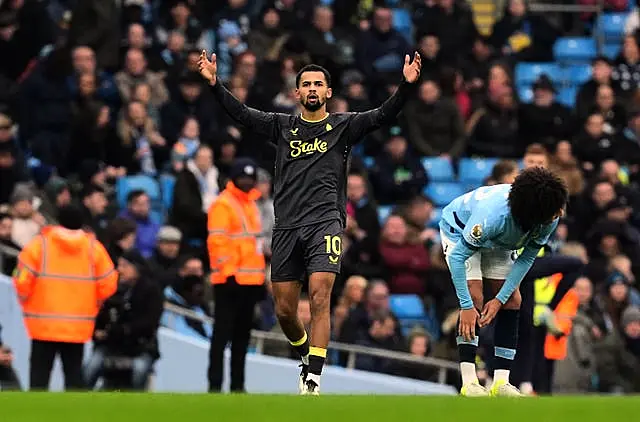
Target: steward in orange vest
pixel 63 276
pixel 237 270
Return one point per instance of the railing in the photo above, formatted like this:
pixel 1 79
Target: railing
pixel 352 350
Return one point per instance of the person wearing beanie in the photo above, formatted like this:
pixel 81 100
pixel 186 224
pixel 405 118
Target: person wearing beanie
pixel 235 245
pixel 62 277
pixel 619 356
pixel 312 159
pixel 128 322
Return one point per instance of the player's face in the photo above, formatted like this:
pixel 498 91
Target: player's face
pixel 313 91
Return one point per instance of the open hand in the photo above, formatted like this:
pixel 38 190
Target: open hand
pixel 489 312
pixel 208 68
pixel 411 70
pixel 467 326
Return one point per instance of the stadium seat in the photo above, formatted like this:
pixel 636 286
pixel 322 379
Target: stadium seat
pixel 435 218
pixel 611 51
pixel 407 306
pixel 528 73
pixel 475 170
pixel 125 185
pixel 167 183
pixel 611 26
pixel 567 96
pixel 574 49
pixel 368 162
pixel 402 23
pixel 525 93
pixel 438 169
pixel 577 74
pixel 441 193
pixel 383 213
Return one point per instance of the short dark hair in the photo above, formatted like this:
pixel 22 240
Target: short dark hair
pixel 503 168
pixel 135 194
pixel 536 196
pixel 90 190
pixel 314 68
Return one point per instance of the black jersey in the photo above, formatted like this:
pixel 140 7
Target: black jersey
pixel 312 158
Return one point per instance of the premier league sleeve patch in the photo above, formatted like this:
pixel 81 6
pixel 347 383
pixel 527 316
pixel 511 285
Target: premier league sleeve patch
pixel 476 232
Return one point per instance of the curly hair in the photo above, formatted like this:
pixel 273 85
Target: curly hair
pixel 536 196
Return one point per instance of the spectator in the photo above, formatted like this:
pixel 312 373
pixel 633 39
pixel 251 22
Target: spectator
pixel 505 171
pixel 407 263
pixel 96 24
pixel 574 374
pixel 136 71
pixel 545 120
pixel 375 307
pixel 363 215
pixel 195 190
pixel 8 249
pixel 619 356
pixel 565 165
pixel 27 222
pixel 420 345
pixel 142 148
pixel 139 211
pixel 602 75
pixel 94 203
pixel 265 205
pixel 593 145
pixel 127 323
pixel 523 35
pixel 164 260
pixel 120 237
pixel 381 50
pixel 627 66
pixel 435 125
pixel 188 292
pixel 11 172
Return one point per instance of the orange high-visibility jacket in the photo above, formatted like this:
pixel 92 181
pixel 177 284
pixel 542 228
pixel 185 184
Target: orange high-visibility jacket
pixel 556 348
pixel 235 237
pixel 62 278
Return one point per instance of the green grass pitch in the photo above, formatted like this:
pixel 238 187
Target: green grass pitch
pixel 111 407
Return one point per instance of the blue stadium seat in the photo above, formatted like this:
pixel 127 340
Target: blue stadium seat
pixel 567 96
pixel 384 212
pixel 577 74
pixel 368 162
pixel 167 183
pixel 443 192
pixel 438 169
pixel 435 218
pixel 575 49
pixel 528 73
pixel 612 51
pixel 611 25
pixel 475 170
pixel 525 93
pixel 402 23
pixel 125 185
pixel 407 306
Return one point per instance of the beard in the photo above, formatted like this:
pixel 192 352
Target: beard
pixel 317 105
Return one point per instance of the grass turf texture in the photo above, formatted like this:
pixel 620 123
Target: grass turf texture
pixel 108 407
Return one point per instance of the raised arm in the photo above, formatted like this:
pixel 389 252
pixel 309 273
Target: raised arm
pixel 256 120
pixel 368 121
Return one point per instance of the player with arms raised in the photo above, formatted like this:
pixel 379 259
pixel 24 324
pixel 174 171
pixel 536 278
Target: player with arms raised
pixel 312 160
pixel 481 232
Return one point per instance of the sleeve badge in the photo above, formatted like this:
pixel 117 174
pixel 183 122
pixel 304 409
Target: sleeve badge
pixel 476 232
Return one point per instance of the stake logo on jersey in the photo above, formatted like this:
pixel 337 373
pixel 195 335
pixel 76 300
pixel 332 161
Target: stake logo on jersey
pixel 304 148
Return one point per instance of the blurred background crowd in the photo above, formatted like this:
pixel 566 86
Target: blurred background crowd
pixel 101 105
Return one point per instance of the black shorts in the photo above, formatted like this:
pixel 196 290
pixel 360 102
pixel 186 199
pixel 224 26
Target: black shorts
pixel 299 252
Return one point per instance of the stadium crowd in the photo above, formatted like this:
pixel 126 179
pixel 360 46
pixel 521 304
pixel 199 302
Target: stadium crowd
pixel 94 91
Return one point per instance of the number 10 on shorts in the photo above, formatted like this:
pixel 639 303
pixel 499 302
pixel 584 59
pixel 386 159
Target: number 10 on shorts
pixel 333 245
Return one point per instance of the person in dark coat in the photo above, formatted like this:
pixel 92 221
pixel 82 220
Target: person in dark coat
pixel 127 323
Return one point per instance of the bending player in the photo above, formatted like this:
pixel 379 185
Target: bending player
pixel 312 160
pixel 480 232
